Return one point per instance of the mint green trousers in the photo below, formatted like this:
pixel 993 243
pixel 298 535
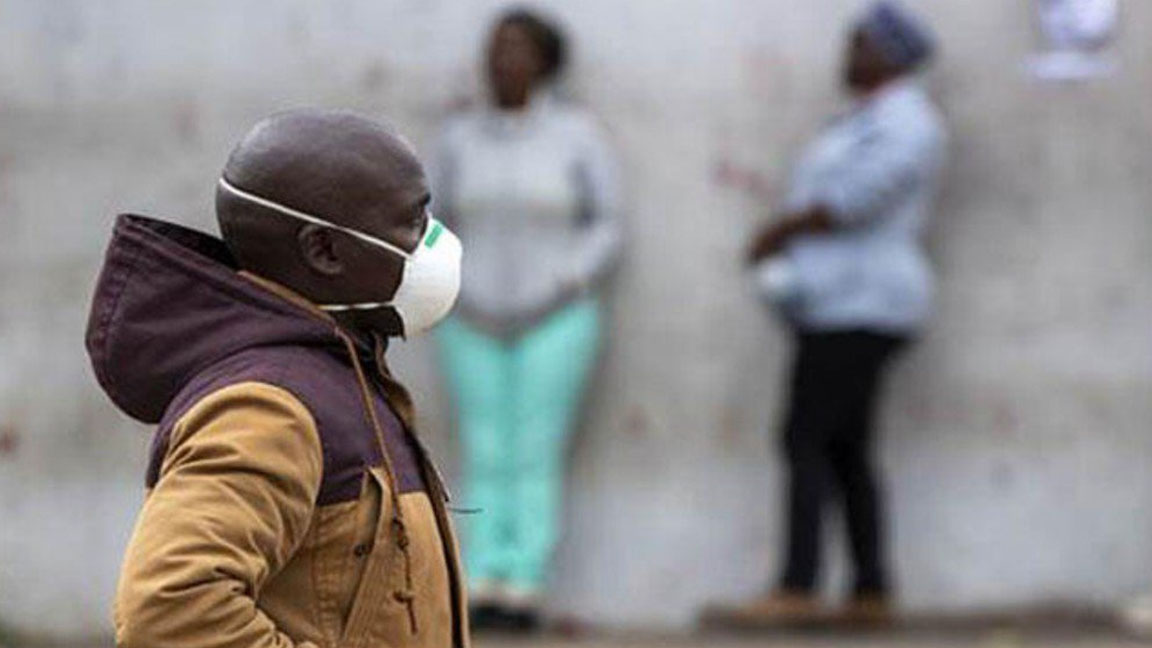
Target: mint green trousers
pixel 516 404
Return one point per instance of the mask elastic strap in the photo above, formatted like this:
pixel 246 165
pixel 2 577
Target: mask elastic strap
pixel 343 308
pixel 308 218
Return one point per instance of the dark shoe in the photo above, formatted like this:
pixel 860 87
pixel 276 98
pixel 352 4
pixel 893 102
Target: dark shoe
pixel 523 620
pixel 779 609
pixel 485 617
pixel 872 611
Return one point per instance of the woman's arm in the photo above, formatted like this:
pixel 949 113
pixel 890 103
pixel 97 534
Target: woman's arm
pixel 442 175
pixel 601 238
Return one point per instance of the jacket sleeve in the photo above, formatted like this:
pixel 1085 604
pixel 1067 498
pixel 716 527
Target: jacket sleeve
pixel 601 236
pixel 233 503
pixel 888 164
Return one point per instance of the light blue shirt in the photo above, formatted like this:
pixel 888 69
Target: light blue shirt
pixel 876 169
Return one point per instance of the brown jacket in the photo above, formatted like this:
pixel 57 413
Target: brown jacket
pixel 289 501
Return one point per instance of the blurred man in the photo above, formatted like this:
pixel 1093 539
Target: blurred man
pixel 290 502
pixel 845 265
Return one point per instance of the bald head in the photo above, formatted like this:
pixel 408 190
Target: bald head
pixel 337 166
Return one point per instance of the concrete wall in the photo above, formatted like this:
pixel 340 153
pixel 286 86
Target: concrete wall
pixel 1018 433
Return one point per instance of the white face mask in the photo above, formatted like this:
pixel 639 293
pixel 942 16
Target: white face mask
pixel 431 279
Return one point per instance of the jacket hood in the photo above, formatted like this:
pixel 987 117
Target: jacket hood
pixel 170 302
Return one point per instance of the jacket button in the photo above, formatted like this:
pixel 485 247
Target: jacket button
pixel 361 550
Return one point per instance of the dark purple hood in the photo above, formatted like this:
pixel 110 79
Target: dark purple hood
pixel 169 303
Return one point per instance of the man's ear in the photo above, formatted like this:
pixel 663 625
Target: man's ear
pixel 318 250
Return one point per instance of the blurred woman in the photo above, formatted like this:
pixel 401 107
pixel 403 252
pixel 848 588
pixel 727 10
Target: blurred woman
pixel 529 183
pixel 846 265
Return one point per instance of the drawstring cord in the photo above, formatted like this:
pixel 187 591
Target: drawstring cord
pixel 437 488
pixel 407 594
pixel 399 526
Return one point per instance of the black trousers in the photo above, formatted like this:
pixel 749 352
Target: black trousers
pixel 827 439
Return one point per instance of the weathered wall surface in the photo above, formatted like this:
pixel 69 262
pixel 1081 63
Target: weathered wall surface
pixel 1017 435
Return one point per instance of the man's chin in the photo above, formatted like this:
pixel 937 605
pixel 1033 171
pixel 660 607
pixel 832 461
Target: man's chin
pixel 384 322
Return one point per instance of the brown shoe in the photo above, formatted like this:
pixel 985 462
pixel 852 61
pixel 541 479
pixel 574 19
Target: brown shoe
pixel 869 611
pixel 779 609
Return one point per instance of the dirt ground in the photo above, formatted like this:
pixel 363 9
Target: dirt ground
pixel 987 639
pixel 991 640
pixel 1031 635
pixel 802 642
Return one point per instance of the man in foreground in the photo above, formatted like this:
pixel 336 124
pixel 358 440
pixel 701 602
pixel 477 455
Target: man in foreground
pixel 290 502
